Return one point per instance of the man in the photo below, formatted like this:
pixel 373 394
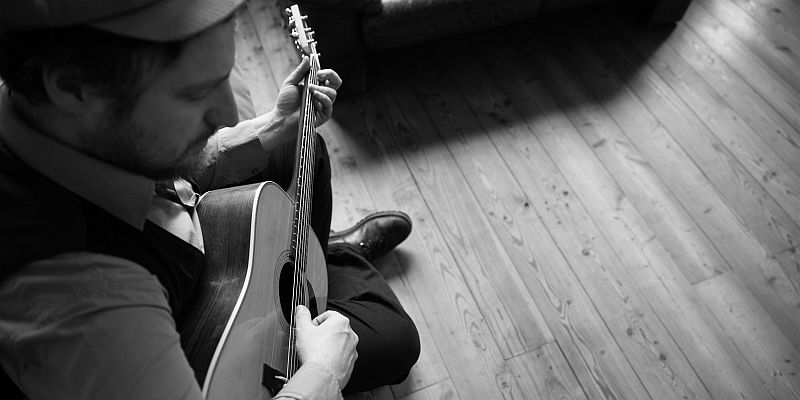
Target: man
pixel 104 104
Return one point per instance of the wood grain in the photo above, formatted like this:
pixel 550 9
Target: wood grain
pixel 771 355
pixel 517 324
pixel 778 49
pixel 600 211
pixel 441 391
pixel 690 184
pixel 665 286
pixel 251 57
pixel 462 333
pixel 754 69
pixel 732 89
pixel 569 313
pixel 606 270
pixel 546 374
pixel 351 205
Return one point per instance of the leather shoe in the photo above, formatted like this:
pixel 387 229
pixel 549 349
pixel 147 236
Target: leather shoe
pixel 376 234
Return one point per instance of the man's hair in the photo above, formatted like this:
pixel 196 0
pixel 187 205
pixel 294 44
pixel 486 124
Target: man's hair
pixel 114 66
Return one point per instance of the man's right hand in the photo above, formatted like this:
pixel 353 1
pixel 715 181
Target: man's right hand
pixel 327 340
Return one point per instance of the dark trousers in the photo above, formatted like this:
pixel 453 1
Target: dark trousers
pixel 388 340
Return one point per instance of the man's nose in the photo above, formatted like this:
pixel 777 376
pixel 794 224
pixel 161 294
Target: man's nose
pixel 223 111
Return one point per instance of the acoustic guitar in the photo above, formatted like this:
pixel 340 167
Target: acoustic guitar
pixel 262 261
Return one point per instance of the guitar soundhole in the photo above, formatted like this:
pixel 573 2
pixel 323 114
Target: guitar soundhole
pixel 286 289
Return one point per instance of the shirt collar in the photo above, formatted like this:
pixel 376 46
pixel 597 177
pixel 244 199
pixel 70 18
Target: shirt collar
pixel 124 195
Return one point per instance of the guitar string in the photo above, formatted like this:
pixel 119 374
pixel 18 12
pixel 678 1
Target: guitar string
pixel 310 160
pixel 309 176
pixel 304 196
pixel 301 263
pixel 290 365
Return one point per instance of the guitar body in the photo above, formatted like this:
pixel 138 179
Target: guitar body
pixel 241 317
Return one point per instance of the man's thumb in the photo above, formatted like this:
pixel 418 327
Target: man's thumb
pixel 302 316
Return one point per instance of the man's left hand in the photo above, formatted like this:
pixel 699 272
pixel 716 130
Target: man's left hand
pixel 324 94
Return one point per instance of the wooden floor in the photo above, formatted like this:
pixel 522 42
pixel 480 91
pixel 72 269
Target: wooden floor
pixel 600 211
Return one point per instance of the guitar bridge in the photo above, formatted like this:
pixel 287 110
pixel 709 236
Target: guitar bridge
pixel 272 379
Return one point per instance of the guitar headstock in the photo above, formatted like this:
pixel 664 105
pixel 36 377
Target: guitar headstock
pixel 302 34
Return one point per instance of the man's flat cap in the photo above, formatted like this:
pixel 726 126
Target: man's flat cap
pixel 156 20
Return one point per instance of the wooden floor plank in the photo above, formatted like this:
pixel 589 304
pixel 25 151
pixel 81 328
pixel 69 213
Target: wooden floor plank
pixel 659 280
pixel 753 69
pixel 767 218
pixel 268 19
pixel 672 225
pixel 763 344
pixel 777 48
pixel 441 391
pixel 775 14
pixel 767 12
pixel 381 393
pixel 545 374
pixel 516 323
pixel 584 337
pixel 601 273
pixel 765 214
pixel 769 125
pixel 590 218
pixel 626 226
pixel 769 171
pixel 254 62
pixel 352 202
pixel 773 216
pixel 461 333
pixel 741 250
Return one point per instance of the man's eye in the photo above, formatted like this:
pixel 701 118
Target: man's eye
pixel 197 95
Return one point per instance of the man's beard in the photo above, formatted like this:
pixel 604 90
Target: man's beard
pixel 119 141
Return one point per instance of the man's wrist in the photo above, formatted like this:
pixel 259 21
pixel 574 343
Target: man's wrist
pixel 272 129
pixel 312 381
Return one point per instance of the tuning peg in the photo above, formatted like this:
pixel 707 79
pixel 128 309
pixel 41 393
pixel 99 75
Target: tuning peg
pixel 287 11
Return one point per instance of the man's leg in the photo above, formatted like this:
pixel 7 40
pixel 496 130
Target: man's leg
pixel 388 341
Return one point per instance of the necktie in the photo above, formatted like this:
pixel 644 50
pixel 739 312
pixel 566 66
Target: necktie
pixel 173 209
pixel 178 191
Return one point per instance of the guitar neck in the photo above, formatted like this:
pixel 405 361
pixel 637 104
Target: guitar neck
pixel 305 159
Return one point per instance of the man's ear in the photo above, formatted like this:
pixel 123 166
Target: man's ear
pixel 68 92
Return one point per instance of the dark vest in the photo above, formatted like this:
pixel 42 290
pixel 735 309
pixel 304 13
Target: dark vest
pixel 40 219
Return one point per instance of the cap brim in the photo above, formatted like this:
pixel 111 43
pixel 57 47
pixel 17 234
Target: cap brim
pixel 169 20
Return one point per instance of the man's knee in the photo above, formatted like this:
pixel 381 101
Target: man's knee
pixel 404 348
pixel 388 341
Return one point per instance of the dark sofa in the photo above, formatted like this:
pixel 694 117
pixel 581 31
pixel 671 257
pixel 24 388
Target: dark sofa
pixel 347 30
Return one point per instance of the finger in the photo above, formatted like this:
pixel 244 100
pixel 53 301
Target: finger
pixel 334 80
pixel 302 317
pixel 327 315
pixel 324 104
pixel 298 74
pixel 328 91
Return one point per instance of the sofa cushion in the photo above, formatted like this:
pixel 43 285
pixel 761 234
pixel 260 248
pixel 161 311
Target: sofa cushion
pixel 554 5
pixel 404 22
pixel 361 6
